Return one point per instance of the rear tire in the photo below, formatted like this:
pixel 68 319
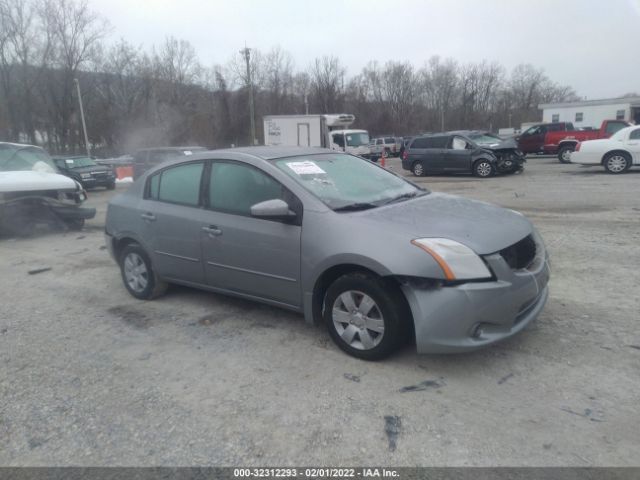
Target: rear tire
pixel 564 154
pixel 366 317
pixel 616 163
pixel 111 186
pixel 418 169
pixel 137 274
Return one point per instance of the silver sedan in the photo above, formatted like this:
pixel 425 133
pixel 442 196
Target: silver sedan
pixel 345 242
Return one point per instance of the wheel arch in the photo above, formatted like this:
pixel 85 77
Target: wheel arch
pixel 568 142
pixel 332 273
pixel 121 242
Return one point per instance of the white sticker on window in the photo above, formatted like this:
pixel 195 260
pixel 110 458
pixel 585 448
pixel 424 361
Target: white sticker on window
pixel 305 168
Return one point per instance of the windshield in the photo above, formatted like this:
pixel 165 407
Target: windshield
pixel 346 181
pixel 357 139
pixel 485 138
pixel 79 162
pixel 27 158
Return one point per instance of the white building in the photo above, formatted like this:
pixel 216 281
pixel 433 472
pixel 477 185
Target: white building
pixel 591 113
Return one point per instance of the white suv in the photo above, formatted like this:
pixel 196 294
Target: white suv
pixel 380 144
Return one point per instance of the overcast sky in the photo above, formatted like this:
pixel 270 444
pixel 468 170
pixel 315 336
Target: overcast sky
pixel 591 45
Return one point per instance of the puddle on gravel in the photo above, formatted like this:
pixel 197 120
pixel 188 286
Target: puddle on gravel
pixel 131 316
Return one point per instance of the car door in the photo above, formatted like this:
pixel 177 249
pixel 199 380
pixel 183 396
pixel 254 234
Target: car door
pixel 435 154
pixel 532 140
pixel 171 216
pixel 244 254
pixel 458 155
pixel 633 145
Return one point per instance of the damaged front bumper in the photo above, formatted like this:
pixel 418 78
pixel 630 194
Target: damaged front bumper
pixel 464 317
pixel 20 214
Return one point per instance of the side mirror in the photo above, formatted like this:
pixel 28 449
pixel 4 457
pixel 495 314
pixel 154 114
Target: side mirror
pixel 275 208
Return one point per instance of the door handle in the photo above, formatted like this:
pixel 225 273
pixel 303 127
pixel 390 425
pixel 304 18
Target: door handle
pixel 149 217
pixel 212 231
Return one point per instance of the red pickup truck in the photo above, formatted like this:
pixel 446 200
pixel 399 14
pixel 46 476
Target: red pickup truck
pixel 561 138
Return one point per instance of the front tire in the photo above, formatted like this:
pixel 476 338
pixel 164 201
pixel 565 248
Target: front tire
pixel 137 274
pixel 111 186
pixel 366 317
pixel 483 169
pixel 616 163
pixel 418 169
pixel 564 154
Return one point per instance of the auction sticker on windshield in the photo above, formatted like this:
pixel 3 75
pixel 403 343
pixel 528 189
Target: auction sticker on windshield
pixel 305 168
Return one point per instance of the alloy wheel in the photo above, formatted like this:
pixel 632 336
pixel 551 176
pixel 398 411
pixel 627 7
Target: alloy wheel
pixel 616 163
pixel 483 169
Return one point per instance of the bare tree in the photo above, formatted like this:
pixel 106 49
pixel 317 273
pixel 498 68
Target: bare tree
pixel 278 80
pixel 440 83
pixel 75 32
pixel 327 84
pixel 24 51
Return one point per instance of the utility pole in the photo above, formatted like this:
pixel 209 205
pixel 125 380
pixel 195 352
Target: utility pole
pixel 247 57
pixel 84 125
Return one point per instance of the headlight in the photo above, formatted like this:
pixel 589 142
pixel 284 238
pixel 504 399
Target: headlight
pixel 85 176
pixel 458 262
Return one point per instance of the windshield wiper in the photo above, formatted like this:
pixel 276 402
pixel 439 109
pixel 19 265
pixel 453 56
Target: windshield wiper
pixel 404 196
pixel 352 207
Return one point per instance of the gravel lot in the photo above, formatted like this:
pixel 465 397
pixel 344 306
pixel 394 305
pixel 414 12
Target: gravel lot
pixel 91 376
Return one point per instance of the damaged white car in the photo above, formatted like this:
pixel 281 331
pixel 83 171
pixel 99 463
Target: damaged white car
pixel 32 192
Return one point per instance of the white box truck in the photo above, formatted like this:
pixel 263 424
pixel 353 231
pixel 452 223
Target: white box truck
pixel 327 131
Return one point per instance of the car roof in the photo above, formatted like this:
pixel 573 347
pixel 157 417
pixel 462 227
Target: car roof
pixel 443 134
pixel 271 152
pixel 186 147
pixel 68 157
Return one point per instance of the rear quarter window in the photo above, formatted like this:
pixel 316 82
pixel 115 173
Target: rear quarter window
pixel 179 184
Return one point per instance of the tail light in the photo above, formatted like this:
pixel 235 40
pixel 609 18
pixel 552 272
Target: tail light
pixel 405 155
pixel 578 147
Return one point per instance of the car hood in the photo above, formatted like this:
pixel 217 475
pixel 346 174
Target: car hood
pixel 500 145
pixel 27 181
pixel 90 169
pixel 483 227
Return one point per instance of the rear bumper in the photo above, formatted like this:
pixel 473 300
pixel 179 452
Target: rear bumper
pixel 476 314
pixel 585 158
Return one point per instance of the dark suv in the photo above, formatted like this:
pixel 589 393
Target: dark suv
pixel 146 158
pixel 448 153
pixel 86 171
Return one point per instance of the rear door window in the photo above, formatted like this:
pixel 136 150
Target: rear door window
pixel 421 143
pixel 439 142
